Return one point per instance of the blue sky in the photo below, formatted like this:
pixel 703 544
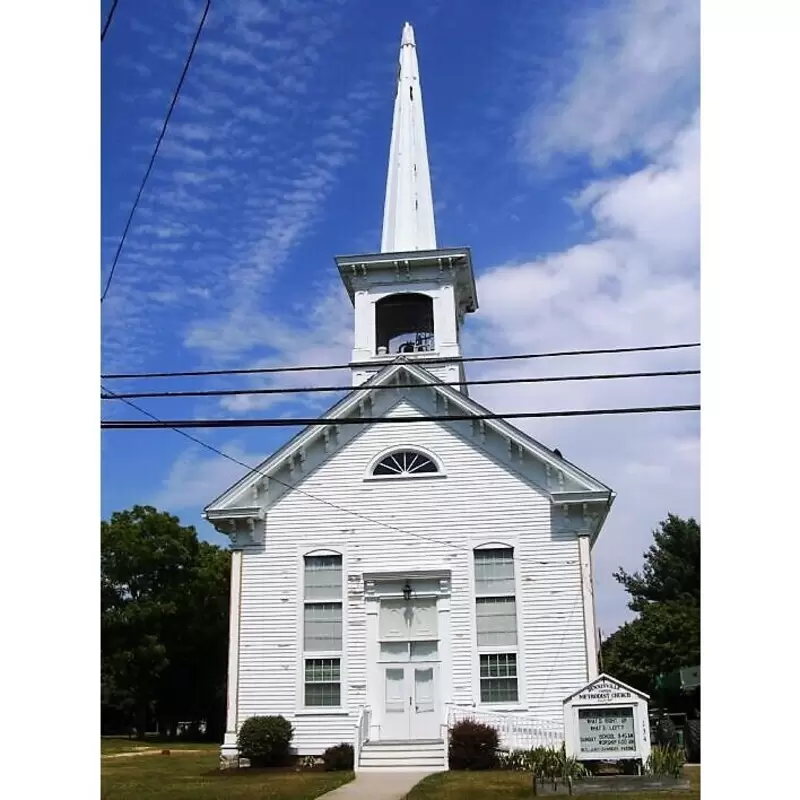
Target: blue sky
pixel 563 138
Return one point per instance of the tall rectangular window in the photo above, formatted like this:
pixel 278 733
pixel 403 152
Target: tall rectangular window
pixel 322 630
pixel 496 624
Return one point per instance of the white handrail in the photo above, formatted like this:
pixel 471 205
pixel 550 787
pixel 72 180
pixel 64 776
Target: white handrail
pixel 361 733
pixel 516 730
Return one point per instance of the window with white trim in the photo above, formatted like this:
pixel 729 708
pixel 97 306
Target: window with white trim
pixel 322 630
pixel 499 678
pixel 404 463
pixel 496 624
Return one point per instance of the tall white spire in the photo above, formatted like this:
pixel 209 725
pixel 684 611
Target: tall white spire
pixel 408 209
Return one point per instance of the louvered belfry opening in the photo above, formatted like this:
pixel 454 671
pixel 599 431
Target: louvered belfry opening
pixel 404 324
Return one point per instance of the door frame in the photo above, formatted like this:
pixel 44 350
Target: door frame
pixel 378 586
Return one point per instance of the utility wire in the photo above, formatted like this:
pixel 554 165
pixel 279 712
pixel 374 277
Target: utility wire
pixel 172 104
pixel 426 362
pixel 257 471
pixel 421 385
pixel 305 422
pixel 108 20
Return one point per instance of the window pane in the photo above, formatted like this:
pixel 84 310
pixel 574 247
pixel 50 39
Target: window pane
pixel 499 690
pixel 322 670
pixel 496 619
pixel 501 665
pixel 322 626
pixel 404 462
pixel 494 571
pixel 323 577
pixel 499 678
pixel 323 694
pixel 322 682
pixel 424 651
pixel 394 651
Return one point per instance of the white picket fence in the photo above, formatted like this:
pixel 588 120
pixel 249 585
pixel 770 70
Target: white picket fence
pixel 516 731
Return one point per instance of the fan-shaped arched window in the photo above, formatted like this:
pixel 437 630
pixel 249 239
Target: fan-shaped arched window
pixel 405 462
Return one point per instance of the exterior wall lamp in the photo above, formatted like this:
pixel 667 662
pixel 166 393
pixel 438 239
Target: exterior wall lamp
pixel 407 591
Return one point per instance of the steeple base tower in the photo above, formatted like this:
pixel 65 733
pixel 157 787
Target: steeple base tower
pixel 412 305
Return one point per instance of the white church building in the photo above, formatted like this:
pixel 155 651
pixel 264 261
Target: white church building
pixel 391 578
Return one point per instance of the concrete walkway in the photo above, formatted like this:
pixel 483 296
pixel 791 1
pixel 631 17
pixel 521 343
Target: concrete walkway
pixel 377 786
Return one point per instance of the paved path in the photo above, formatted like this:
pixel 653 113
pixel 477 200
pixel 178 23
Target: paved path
pixel 377 786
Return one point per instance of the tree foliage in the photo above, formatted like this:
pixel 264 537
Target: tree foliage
pixel 671 572
pixel 666 596
pixel 164 621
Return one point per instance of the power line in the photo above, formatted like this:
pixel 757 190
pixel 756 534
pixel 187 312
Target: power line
pixel 172 104
pixel 421 385
pixel 257 471
pixel 426 362
pixel 108 20
pixel 305 422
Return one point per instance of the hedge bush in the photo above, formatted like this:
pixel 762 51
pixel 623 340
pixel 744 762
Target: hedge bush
pixel 473 745
pixel 339 757
pixel 265 741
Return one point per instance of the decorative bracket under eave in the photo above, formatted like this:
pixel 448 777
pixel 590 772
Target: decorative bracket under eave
pixel 243 525
pixel 582 512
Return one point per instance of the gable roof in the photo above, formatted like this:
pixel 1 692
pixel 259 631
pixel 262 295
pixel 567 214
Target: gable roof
pixel 591 489
pixel 604 677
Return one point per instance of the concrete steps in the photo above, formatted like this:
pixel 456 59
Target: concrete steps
pixel 402 756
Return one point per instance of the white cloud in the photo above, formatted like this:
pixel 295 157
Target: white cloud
pixel 197 477
pixel 634 281
pixel 237 150
pixel 635 80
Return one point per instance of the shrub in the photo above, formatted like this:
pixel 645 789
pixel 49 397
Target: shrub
pixel 339 757
pixel 264 741
pixel 473 745
pixel 665 731
pixel 667 760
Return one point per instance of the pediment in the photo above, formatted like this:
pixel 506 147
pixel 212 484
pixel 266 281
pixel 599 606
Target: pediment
pixel 562 481
pixel 604 690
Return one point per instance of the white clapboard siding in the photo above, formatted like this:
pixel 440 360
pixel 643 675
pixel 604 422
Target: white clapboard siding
pixel 481 499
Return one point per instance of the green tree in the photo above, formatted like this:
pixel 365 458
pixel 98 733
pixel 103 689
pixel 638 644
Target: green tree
pixel 671 570
pixel 666 596
pixel 164 611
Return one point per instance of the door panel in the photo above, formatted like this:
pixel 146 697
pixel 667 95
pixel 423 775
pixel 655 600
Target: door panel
pixel 396 706
pixel 424 719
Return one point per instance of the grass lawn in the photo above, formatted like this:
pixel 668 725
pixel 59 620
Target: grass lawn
pixel 194 776
pixel 508 785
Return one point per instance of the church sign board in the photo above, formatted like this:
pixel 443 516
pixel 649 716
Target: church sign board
pixel 607 720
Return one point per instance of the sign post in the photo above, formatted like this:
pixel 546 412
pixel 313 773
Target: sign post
pixel 607 720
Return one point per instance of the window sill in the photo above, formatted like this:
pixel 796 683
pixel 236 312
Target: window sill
pixel 322 712
pixel 501 707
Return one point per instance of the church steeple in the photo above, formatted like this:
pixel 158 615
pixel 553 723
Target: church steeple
pixel 408 208
pixel 411 298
